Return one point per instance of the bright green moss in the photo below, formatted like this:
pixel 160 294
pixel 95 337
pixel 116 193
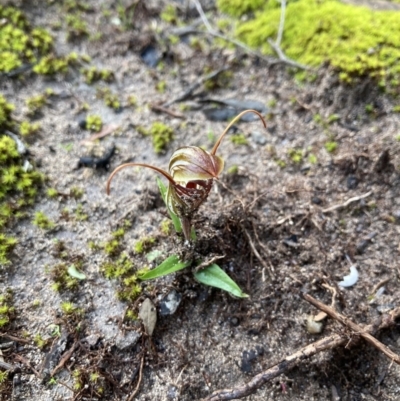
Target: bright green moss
pixel 239 7
pixel 161 86
pixel 296 155
pixel 110 99
pixel 169 14
pixel 331 146
pixel 77 27
pixel 42 221
pixel 238 139
pixel 27 129
pixel 233 169
pixel 20 43
pixel 35 103
pixel 166 226
pixel 5 111
pixel 52 193
pixel 62 280
pixel 144 244
pixel 357 41
pixel 39 341
pixel 6 308
pixel 18 187
pixel 93 74
pixel 94 122
pixel 161 135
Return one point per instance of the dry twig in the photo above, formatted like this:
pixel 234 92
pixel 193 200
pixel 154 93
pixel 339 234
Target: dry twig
pixel 347 203
pixel 161 109
pixel 289 362
pixel 345 321
pixel 277 44
pixel 64 358
pixel 132 396
pixel 237 43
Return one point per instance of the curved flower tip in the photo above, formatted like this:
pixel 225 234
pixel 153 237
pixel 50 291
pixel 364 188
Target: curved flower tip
pixel 122 166
pixel 191 163
pixel 237 118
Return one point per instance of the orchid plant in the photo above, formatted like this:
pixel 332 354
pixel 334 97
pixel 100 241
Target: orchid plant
pixel 192 171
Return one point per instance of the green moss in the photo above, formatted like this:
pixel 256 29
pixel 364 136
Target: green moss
pixel 18 187
pixel 36 103
pixel 77 27
pixel 331 146
pixel 28 129
pixel 161 135
pixel 238 139
pixel 62 280
pixel 94 122
pixel 169 14
pixel 296 155
pixel 76 192
pixel 39 341
pixel 80 215
pixel 144 244
pixel 70 309
pixel 6 308
pixel 42 221
pixel 52 193
pixel 357 41
pixel 132 100
pixel 166 226
pixel 312 158
pixel 161 86
pixel 239 7
pixel 93 74
pixel 110 99
pixel 5 111
pixel 20 43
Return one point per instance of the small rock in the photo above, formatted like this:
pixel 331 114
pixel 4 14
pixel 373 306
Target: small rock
pixel 234 321
pixel 352 182
pixel 126 340
pixel 316 200
pixel 247 359
pixel 169 304
pixel 82 123
pixel 258 138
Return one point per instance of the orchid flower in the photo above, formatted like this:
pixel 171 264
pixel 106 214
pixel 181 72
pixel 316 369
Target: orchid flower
pixel 191 174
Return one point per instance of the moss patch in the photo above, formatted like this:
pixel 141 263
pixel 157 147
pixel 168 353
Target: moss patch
pixel 161 135
pixel 18 182
pixel 355 40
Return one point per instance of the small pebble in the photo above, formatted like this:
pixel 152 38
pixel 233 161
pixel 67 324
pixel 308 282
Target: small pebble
pixel 352 182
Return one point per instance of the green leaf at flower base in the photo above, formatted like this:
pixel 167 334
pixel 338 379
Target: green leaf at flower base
pixel 170 265
pixel 175 219
pixel 74 272
pixel 214 276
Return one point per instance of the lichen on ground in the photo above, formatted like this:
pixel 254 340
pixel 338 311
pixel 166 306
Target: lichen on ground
pixel 355 40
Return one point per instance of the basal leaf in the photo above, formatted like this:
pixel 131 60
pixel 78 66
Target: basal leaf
pixel 214 276
pixel 170 265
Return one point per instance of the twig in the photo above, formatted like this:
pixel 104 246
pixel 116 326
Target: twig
pixel 289 362
pixel 6 366
pixel 347 203
pixel 21 359
pixel 193 87
pixel 254 249
pixel 277 44
pixel 107 130
pixel 281 24
pixel 139 380
pixel 345 321
pixel 161 109
pixel 64 358
pixel 216 34
pixel 208 262
pixel 13 338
